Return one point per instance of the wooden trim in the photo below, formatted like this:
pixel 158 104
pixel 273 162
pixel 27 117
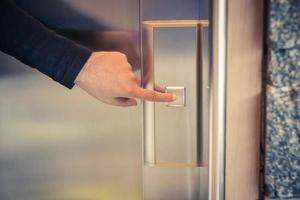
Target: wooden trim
pixel 245 49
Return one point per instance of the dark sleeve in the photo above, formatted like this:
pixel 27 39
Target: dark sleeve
pixel 26 39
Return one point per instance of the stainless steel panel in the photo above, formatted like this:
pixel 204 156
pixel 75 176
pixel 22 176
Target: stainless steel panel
pixel 176 128
pixel 171 168
pixel 180 93
pixel 65 145
pixel 218 106
pixel 61 144
pixel 177 136
pixel 87 15
pixel 175 9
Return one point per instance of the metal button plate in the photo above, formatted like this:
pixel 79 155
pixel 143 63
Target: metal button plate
pixel 180 95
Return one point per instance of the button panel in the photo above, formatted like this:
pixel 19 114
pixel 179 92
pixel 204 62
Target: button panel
pixel 180 93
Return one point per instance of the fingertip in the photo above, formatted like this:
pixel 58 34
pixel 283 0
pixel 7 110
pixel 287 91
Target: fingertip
pixel 174 97
pixel 150 95
pixel 169 97
pixel 165 97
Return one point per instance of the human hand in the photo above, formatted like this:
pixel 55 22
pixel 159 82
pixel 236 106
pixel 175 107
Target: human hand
pixel 109 77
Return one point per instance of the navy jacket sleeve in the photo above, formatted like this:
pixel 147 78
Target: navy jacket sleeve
pixel 26 39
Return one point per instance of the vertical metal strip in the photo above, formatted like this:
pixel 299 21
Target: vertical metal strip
pixel 148 107
pixel 218 129
pixel 199 79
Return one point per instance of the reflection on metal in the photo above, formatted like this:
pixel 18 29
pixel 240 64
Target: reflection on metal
pixel 148 80
pixel 175 23
pixel 61 144
pixel 218 126
pixel 180 93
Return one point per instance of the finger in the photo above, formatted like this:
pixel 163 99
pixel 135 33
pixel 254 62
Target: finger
pixel 159 88
pixel 122 55
pixel 129 66
pixel 151 95
pixel 124 102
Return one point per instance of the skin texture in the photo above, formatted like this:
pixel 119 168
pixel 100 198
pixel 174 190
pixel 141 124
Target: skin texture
pixel 108 77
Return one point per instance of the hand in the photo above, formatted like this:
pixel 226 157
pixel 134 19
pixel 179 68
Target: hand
pixel 109 77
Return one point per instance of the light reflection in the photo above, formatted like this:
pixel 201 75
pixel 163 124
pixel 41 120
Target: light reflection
pixel 60 144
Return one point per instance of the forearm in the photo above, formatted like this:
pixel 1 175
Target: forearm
pixel 26 39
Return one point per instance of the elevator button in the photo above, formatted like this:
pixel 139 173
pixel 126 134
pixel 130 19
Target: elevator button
pixel 180 93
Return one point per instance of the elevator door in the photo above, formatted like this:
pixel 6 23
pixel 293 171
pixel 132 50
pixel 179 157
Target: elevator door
pixel 57 144
pixel 61 144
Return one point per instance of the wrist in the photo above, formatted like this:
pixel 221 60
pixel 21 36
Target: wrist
pixel 80 77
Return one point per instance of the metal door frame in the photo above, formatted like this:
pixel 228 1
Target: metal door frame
pixel 218 103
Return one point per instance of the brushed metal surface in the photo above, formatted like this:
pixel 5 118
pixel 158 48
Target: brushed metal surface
pixel 170 171
pixel 56 144
pixel 177 136
pixel 180 93
pixel 61 144
pixel 218 106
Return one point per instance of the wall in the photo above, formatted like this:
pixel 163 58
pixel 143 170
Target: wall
pixel 282 158
pixel 245 31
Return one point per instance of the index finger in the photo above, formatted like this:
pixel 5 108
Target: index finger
pixel 151 95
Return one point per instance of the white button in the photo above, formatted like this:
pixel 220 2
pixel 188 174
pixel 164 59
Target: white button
pixel 180 95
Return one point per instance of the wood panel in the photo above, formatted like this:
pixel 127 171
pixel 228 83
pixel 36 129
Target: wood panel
pixel 243 128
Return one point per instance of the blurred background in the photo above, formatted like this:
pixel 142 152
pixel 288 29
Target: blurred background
pixel 61 144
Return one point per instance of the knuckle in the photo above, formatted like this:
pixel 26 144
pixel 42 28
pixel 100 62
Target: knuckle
pixel 117 54
pixel 133 77
pixel 155 95
pixel 121 55
pixel 128 89
pixel 135 80
pixel 152 95
pixel 129 66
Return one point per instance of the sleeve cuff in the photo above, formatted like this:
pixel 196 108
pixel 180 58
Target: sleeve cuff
pixel 78 58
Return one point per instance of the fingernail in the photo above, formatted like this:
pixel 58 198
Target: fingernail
pixel 174 97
